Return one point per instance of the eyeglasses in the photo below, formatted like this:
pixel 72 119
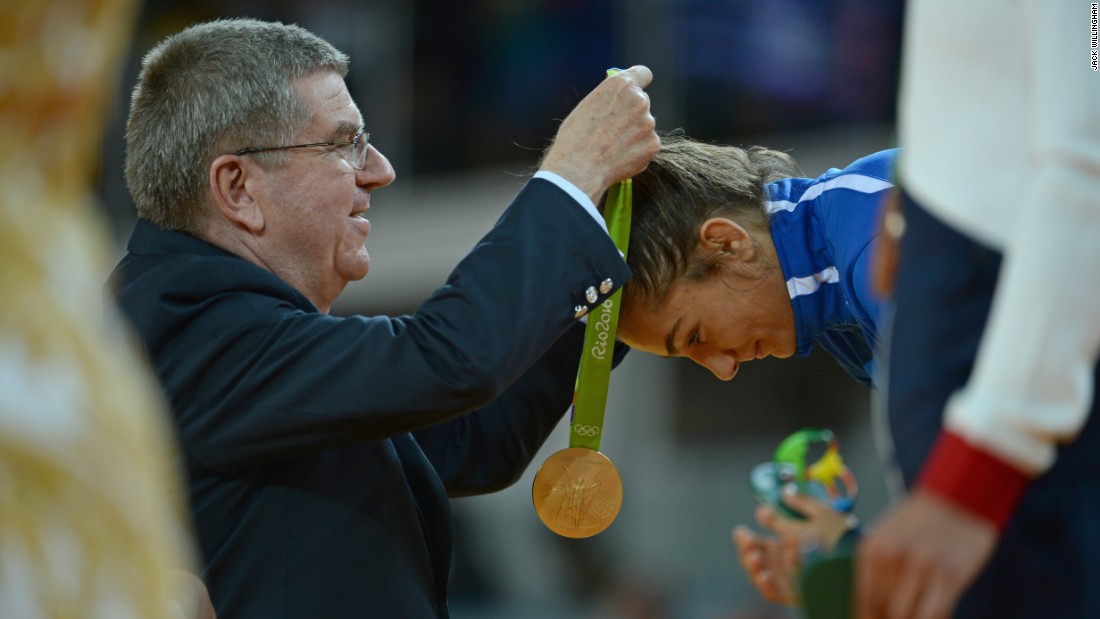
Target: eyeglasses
pixel 356 156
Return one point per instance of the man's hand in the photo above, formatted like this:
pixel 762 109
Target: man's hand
pixel 773 563
pixel 770 564
pixel 608 137
pixel 917 562
pixel 822 527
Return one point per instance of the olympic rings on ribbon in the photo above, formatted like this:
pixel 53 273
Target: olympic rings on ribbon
pixel 586 430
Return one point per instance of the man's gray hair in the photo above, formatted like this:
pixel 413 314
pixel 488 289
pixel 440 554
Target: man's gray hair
pixel 212 89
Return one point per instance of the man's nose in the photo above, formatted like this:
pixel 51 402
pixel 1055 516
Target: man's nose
pixel 377 173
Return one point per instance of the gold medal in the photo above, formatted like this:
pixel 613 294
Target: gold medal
pixel 577 492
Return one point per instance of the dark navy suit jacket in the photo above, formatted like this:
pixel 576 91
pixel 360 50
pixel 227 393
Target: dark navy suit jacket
pixel 321 450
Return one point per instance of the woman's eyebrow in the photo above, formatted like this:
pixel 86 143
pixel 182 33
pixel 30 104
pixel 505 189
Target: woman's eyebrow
pixel 670 339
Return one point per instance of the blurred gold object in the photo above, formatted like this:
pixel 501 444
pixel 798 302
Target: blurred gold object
pixel 577 492
pixel 91 518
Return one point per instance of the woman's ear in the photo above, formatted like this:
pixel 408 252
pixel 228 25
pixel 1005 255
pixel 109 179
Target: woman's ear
pixel 231 184
pixel 725 236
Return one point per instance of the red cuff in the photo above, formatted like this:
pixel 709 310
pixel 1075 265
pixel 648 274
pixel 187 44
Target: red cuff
pixel 973 479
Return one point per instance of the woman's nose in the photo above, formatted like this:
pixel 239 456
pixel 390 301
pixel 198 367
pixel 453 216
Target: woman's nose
pixel 722 365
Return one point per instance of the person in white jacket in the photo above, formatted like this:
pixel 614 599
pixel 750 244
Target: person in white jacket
pixel 993 358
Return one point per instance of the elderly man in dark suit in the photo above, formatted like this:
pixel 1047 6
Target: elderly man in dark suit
pixel 321 450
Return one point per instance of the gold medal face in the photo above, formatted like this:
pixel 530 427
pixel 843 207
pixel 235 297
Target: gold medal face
pixel 577 492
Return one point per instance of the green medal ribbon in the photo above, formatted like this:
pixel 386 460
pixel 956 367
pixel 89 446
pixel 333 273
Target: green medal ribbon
pixel 590 394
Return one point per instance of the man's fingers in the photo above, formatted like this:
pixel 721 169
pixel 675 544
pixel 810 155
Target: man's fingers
pixel 780 577
pixel 917 560
pixel 904 596
pixel 752 561
pixel 804 504
pixel 610 136
pixel 638 75
pixel 766 517
pixel 766 585
pixel 792 555
pixel 755 562
pixel 765 565
pixel 751 549
pixel 936 602
pixel 744 537
pixel 877 571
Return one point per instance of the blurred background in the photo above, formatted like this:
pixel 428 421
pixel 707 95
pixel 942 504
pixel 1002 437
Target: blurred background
pixel 462 97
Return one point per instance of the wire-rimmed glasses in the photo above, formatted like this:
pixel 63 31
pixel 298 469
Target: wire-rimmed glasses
pixel 356 156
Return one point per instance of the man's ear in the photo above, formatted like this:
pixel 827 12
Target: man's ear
pixel 231 187
pixel 719 234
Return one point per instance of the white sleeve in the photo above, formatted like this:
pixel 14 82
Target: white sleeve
pixel 578 195
pixel 1033 380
